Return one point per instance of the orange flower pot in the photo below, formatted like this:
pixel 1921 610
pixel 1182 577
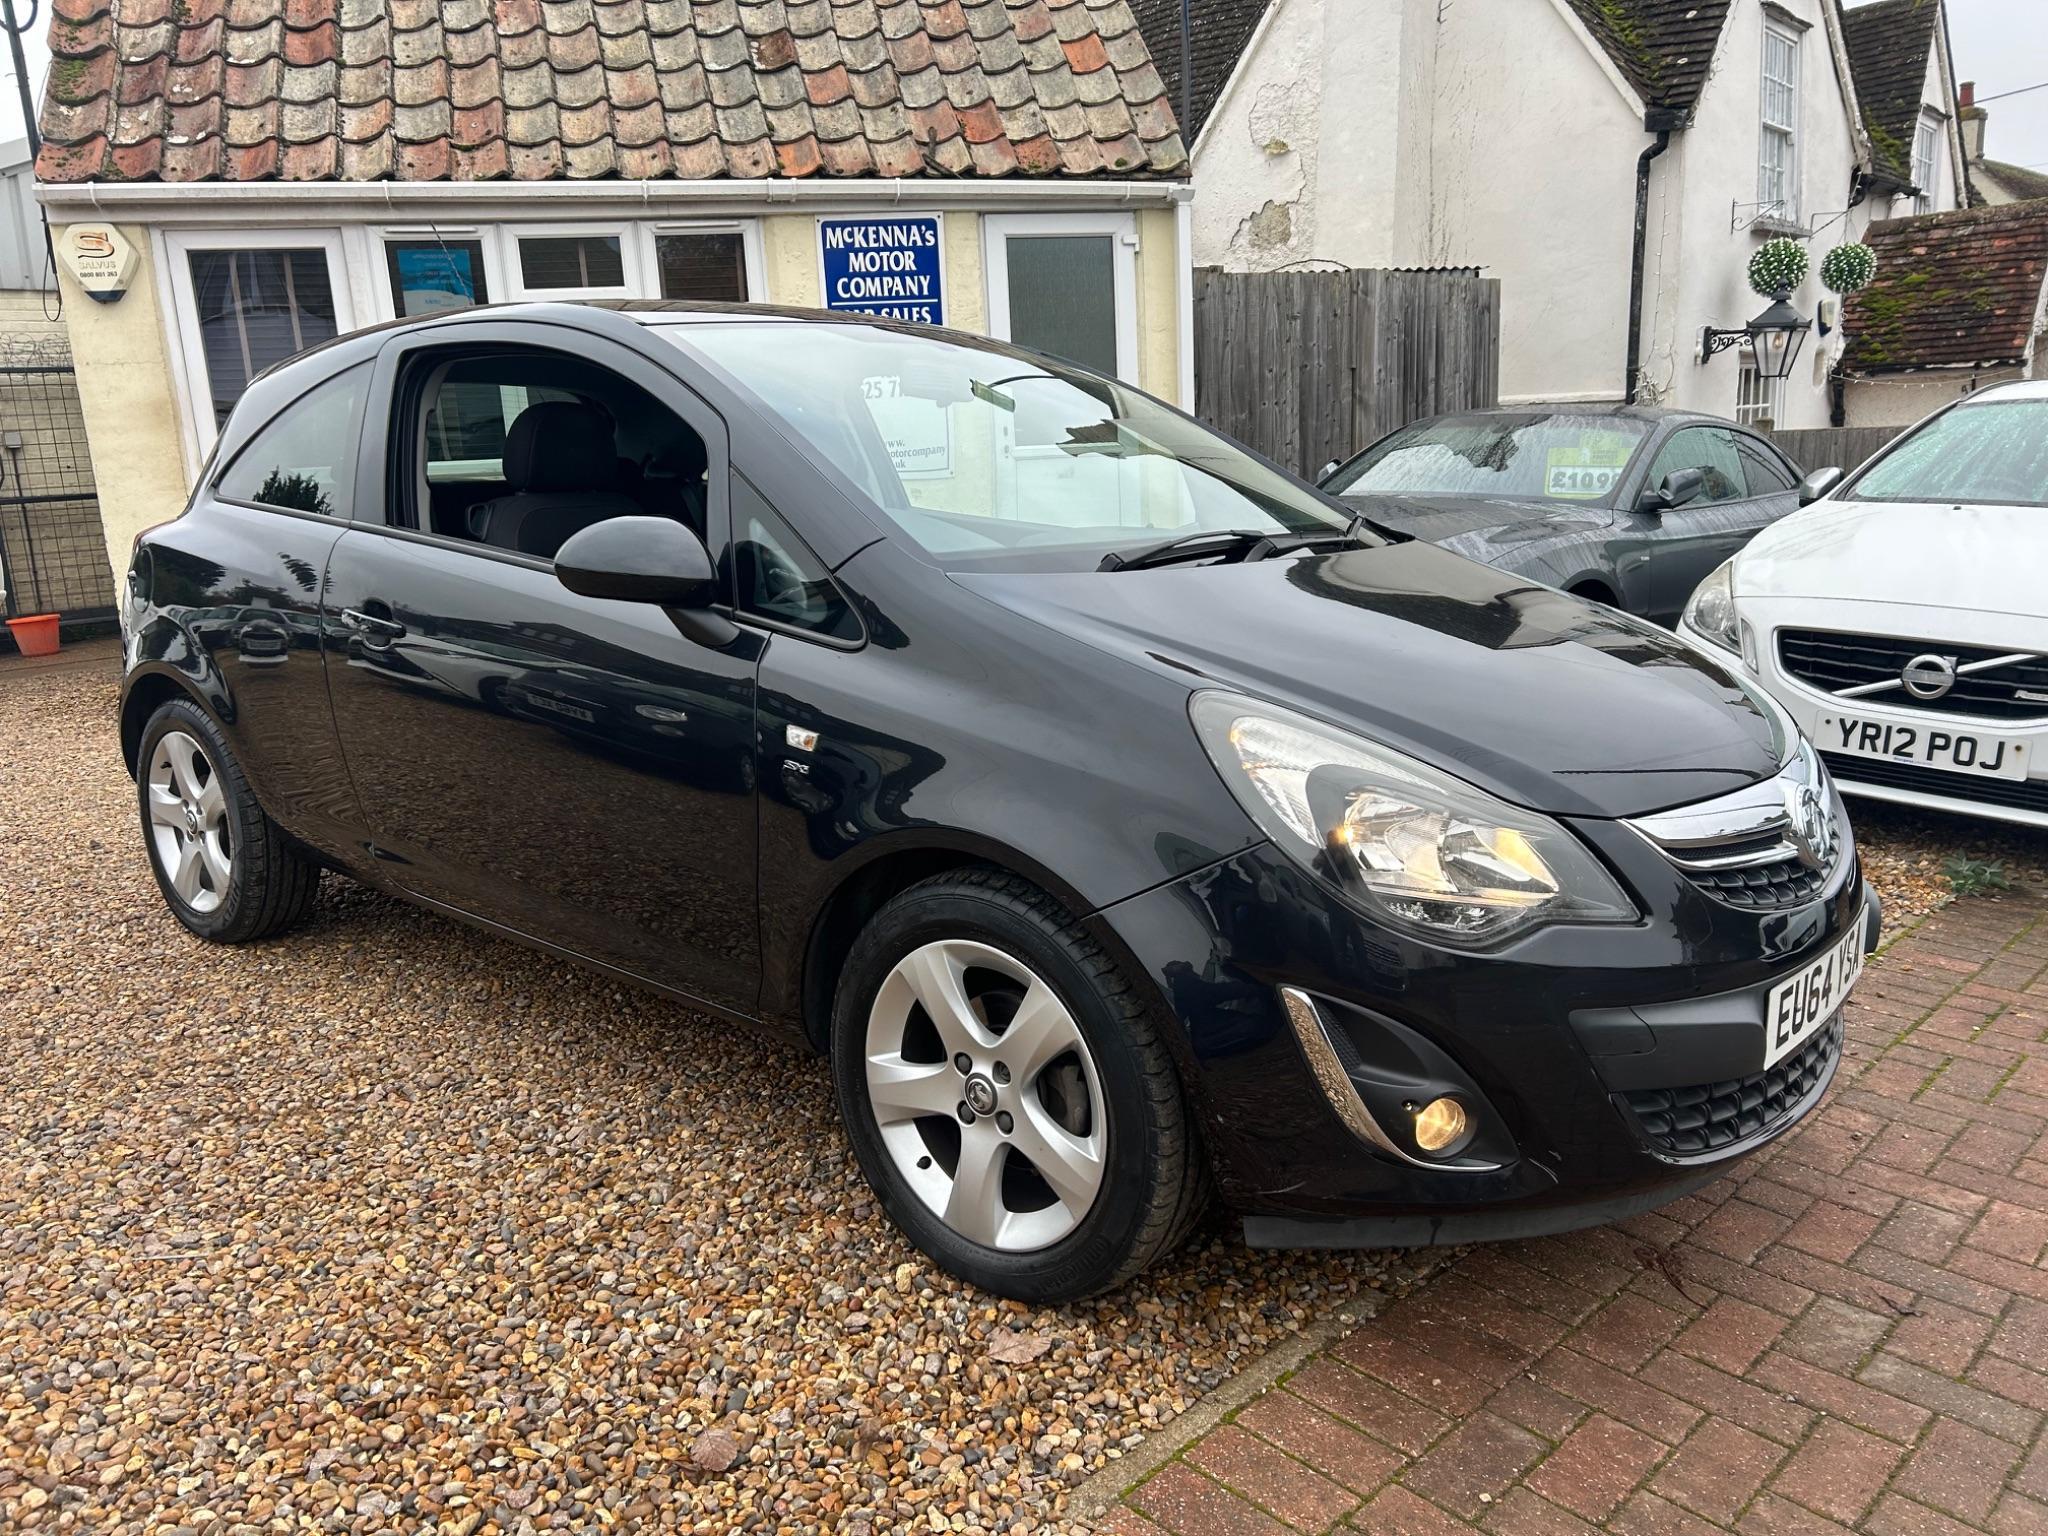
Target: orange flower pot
pixel 36 634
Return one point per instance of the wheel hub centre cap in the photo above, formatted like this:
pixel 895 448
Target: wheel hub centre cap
pixel 192 817
pixel 981 1095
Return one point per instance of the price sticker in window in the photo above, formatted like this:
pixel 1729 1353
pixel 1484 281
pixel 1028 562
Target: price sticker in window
pixel 1587 470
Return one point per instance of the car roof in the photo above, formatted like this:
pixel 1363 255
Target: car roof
pixel 2016 389
pixel 1601 408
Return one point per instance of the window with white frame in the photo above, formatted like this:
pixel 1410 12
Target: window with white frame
pixel 244 300
pixel 1756 397
pixel 1926 162
pixel 1777 167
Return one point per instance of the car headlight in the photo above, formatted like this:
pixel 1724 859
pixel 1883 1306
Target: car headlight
pixel 1711 610
pixel 1411 844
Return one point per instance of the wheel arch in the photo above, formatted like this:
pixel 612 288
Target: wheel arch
pixel 150 688
pixel 1595 585
pixel 889 869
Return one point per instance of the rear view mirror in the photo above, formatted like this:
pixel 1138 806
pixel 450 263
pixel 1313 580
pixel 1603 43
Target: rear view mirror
pixel 1677 488
pixel 647 560
pixel 1818 484
pixel 1326 471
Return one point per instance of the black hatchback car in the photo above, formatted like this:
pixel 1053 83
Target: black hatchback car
pixel 1624 504
pixel 1123 817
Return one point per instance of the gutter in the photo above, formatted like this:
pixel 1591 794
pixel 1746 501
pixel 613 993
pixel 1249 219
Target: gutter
pixel 320 202
pixel 1663 122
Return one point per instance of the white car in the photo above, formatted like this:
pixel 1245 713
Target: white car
pixel 1902 617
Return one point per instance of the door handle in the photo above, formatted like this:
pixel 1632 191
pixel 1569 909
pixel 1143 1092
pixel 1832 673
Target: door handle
pixel 372 628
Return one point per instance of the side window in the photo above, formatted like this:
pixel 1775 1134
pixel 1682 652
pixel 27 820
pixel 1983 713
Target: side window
pixel 1711 450
pixel 1767 477
pixel 304 461
pixel 520 449
pixel 780 580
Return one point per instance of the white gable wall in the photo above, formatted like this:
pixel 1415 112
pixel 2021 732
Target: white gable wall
pixel 1495 133
pixel 1532 176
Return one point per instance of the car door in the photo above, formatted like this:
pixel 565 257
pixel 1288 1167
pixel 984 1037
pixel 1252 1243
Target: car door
pixel 1687 541
pixel 572 768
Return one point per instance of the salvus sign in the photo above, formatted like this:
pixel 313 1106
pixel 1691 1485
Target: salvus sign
pixel 886 266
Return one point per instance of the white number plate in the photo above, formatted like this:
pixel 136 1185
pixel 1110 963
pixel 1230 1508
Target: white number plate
pixel 1801 1004
pixel 1996 757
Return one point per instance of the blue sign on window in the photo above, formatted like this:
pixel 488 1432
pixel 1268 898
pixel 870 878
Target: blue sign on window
pixel 883 267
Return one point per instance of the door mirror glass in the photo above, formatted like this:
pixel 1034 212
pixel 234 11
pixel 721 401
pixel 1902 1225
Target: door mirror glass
pixel 639 560
pixel 1674 490
pixel 1818 484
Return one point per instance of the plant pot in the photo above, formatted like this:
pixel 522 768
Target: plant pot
pixel 36 634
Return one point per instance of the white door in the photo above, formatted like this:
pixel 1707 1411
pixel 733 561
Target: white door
pixel 1067 284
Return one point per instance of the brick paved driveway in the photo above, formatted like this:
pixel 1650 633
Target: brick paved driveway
pixel 1849 1333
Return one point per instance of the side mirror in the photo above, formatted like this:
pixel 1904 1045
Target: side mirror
pixel 1818 484
pixel 647 560
pixel 1679 487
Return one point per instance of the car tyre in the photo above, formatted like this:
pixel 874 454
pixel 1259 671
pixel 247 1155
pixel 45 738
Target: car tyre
pixel 227 871
pixel 1069 1069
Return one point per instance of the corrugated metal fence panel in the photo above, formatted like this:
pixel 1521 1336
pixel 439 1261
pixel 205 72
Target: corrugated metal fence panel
pixel 1312 366
pixel 1847 448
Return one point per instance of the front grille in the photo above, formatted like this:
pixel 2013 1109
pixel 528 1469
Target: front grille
pixel 1787 883
pixel 2013 794
pixel 1832 662
pixel 1687 1122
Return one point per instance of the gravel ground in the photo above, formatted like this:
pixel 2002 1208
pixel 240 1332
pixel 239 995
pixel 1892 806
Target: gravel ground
pixel 391 1226
pixel 1906 854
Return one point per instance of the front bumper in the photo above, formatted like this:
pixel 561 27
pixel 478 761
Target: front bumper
pixel 2022 801
pixel 1555 1040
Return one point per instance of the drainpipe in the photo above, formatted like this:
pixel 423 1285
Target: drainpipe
pixel 1663 122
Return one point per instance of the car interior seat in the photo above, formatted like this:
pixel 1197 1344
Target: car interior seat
pixel 562 470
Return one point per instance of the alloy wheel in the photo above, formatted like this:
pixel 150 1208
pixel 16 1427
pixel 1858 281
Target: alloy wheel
pixel 985 1094
pixel 188 821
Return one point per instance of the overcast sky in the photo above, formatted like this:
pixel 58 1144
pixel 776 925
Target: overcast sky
pixel 2000 44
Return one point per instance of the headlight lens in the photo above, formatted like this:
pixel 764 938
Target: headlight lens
pixel 1711 611
pixel 1417 847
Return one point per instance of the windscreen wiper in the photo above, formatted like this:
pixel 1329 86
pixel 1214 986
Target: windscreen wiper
pixel 1240 545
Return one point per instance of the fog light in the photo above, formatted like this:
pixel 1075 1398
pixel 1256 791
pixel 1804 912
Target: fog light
pixel 1441 1125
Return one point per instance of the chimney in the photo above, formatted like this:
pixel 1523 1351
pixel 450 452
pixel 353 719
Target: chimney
pixel 1972 122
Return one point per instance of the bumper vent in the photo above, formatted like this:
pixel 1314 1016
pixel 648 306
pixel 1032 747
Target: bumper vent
pixel 1989 684
pixel 2017 795
pixel 1713 1117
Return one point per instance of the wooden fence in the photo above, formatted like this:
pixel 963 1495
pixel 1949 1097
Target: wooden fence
pixel 1312 366
pixel 1846 448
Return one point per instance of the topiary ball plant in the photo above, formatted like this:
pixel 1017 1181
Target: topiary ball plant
pixel 1849 267
pixel 1778 265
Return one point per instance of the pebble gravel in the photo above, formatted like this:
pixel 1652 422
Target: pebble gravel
pixel 390 1226
pixel 1907 852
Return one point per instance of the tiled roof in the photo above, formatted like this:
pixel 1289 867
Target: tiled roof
pixel 1217 33
pixel 533 90
pixel 2015 181
pixel 1663 48
pixel 1951 289
pixel 1889 45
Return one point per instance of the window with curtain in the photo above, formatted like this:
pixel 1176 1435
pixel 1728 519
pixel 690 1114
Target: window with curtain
pixel 257 308
pixel 572 261
pixel 711 264
pixel 1926 168
pixel 1777 171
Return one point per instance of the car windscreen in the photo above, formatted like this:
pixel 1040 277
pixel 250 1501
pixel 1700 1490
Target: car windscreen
pixel 1556 456
pixel 986 454
pixel 1996 451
